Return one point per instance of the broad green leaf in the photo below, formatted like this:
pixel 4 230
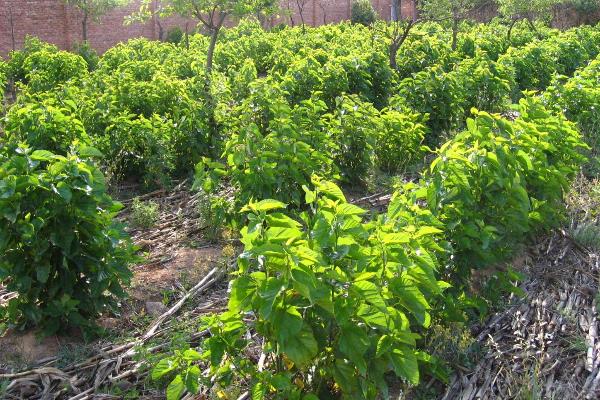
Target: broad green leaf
pixel 301 347
pixel 191 379
pixel 162 368
pixel 287 322
pixel 354 342
pixel 347 209
pixel 370 293
pixel 264 205
pixel 405 364
pixel 175 388
pixel 89 152
pixel 64 191
pixel 42 273
pixel 42 155
pixel 242 291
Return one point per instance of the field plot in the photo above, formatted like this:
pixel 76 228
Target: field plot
pixel 347 211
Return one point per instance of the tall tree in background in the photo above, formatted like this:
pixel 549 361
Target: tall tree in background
pixel 324 6
pixel 93 10
pixel 211 13
pixel 452 11
pixel 528 10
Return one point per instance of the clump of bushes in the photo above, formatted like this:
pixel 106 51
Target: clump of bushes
pixel 62 251
pixel 363 12
pixel 144 214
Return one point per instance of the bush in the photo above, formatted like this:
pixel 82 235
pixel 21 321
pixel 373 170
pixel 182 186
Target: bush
pixel 578 98
pixel 174 35
pixel 487 85
pixel 45 124
pixel 16 64
pixel 398 142
pixel 61 249
pixel 88 54
pixel 336 299
pixel 141 148
pixel 499 180
pixel 437 94
pixel 144 214
pixel 45 70
pixel 272 161
pixel 354 127
pixel 3 81
pixel 363 12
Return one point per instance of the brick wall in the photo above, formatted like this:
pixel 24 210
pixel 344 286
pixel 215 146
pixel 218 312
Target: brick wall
pixel 56 23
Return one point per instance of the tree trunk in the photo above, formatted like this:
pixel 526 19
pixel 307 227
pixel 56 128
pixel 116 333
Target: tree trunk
pixel 11 21
pixel 454 32
pixel 187 37
pixel 397 42
pixel 161 30
pixel 533 28
pixel 214 35
pixel 393 53
pixel 84 25
pixel 510 28
pixel 396 10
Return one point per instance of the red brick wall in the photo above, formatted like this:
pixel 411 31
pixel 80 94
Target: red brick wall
pixel 56 23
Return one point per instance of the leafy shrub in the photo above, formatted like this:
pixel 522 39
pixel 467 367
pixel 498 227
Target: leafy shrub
pixel 487 85
pixel 499 180
pixel 61 249
pixel 16 64
pixel 398 140
pixel 174 35
pixel 421 53
pixel 3 76
pixel 272 161
pixel 579 98
pixel 45 124
pixel 45 70
pixel 353 127
pixel 88 53
pixel 139 147
pixel 533 64
pixel 437 94
pixel 144 214
pixel 336 299
pixel 363 12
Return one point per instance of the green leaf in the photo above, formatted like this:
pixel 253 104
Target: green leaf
pixel 242 291
pixel 85 151
pixel 349 210
pixel 264 205
pixel 384 344
pixel 259 391
pixel 64 191
pixel 302 347
pixel 427 230
pixel 42 155
pixel 332 190
pixel 414 301
pixel 175 388
pixel 163 367
pixel 287 322
pixel 404 362
pixel 370 293
pixel 42 273
pixel 191 355
pixel 191 379
pixel 354 342
pixel 396 238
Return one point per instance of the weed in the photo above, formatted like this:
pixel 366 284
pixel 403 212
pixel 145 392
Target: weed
pixel 587 235
pixel 72 353
pixel 144 214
